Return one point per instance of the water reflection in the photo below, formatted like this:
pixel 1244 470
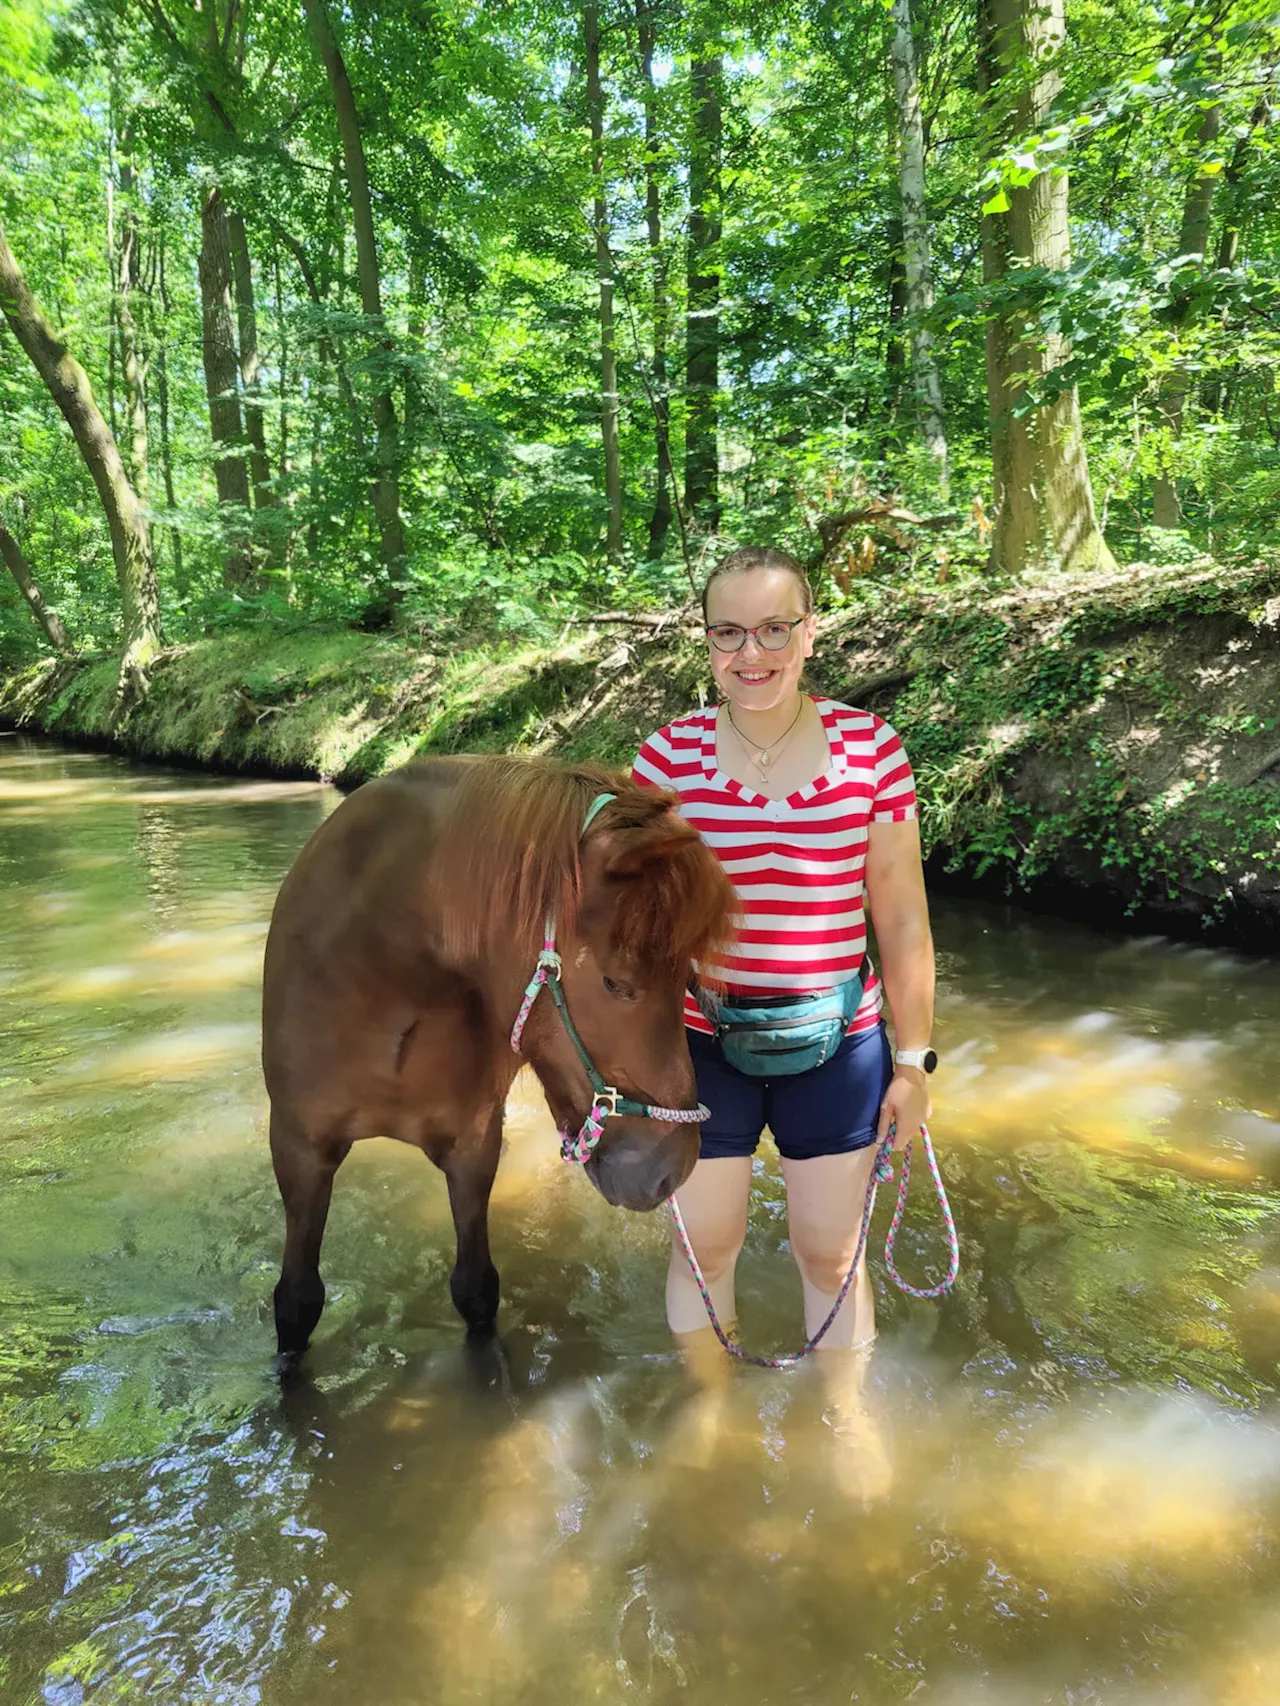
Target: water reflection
pixel 1060 1485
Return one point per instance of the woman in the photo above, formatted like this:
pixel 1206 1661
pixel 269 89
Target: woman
pixel 811 807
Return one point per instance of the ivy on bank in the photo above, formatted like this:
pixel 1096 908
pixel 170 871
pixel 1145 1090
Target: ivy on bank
pixel 1028 739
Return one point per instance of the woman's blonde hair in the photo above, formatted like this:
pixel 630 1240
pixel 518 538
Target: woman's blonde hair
pixel 750 557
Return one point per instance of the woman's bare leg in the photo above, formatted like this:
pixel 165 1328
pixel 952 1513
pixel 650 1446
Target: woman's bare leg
pixel 825 1198
pixel 713 1201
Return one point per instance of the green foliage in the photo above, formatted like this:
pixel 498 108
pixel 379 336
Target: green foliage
pixel 475 133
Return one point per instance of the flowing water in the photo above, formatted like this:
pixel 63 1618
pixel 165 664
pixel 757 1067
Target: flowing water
pixel 1061 1484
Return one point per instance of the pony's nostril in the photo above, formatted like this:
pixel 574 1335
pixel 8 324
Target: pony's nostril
pixel 667 1184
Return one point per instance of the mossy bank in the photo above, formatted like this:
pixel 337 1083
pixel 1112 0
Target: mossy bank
pixel 1107 748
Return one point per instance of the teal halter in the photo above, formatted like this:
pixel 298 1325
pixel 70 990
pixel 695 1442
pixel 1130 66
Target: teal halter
pixel 607 1101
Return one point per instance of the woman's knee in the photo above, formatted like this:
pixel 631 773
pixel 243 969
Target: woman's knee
pixel 824 1263
pixel 717 1250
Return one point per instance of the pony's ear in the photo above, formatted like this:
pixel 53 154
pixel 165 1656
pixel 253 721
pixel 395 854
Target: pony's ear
pixel 665 842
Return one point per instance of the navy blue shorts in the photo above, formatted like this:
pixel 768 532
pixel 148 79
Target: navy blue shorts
pixel 832 1110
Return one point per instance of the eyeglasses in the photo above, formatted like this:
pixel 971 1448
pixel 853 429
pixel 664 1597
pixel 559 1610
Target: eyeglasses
pixel 773 636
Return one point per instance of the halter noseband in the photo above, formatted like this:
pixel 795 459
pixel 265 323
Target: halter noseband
pixel 606 1099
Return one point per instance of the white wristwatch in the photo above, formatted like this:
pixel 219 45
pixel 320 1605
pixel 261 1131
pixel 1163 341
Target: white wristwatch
pixel 922 1058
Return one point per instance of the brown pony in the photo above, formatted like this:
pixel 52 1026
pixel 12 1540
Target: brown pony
pixel 400 947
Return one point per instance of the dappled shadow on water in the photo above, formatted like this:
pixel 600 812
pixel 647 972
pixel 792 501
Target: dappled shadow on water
pixel 1062 1483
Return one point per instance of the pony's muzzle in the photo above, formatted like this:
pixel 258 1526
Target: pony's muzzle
pixel 638 1164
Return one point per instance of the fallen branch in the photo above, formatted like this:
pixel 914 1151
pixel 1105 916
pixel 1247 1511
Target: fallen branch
pixel 637 619
pixel 880 683
pixel 1268 765
pixel 831 527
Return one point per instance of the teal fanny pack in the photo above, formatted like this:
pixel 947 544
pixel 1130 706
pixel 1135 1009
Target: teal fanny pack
pixel 776 1036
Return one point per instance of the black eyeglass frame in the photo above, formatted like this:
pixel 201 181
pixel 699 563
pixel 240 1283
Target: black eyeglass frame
pixel 773 622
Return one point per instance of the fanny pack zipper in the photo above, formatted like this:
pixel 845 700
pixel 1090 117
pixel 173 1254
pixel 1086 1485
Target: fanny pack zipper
pixel 780 1024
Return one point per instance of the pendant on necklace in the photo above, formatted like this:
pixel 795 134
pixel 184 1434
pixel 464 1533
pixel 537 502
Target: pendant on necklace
pixel 763 761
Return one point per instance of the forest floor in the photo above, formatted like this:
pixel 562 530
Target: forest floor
pixel 1107 748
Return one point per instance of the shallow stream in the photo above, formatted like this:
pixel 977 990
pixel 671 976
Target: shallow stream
pixel 1062 1484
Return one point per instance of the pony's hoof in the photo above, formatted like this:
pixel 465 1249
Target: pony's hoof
pixel 490 1365
pixel 287 1365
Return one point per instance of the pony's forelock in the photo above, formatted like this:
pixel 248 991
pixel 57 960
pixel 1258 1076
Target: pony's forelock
pixel 509 857
pixel 675 903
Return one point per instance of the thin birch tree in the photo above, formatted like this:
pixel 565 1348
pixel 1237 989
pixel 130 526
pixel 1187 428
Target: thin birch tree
pixel 915 238
pixel 1193 247
pixel 660 520
pixel 702 289
pixel 264 494
pixel 604 284
pixel 47 620
pixel 385 491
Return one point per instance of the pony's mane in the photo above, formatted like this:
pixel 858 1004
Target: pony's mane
pixel 511 840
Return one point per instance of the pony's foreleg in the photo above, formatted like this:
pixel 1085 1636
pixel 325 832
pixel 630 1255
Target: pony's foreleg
pixel 469 1168
pixel 304 1168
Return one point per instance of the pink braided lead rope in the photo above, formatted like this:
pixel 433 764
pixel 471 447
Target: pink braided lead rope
pixel 549 965
pixel 881 1172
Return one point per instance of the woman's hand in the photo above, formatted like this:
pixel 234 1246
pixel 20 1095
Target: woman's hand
pixel 906 1105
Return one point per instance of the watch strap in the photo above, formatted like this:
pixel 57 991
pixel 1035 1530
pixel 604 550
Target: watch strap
pixel 913 1057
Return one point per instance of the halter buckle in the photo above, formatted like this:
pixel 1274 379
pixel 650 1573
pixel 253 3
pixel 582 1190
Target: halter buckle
pixel 607 1100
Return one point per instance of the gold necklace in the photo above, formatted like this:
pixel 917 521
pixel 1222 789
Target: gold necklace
pixel 762 759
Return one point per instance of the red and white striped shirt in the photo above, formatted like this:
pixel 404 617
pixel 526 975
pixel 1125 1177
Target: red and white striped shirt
pixel 797 864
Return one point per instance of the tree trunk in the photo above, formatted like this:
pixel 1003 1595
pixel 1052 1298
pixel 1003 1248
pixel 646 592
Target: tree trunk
pixel 416 322
pixel 1193 239
pixel 915 240
pixel 1212 391
pixel 604 278
pixel 1043 500
pixel 130 536
pixel 159 337
pixel 221 376
pixel 386 488
pixel 660 521
pixel 316 282
pixel 132 361
pixel 702 336
pixel 264 496
pixel 286 461
pixel 113 419
pixel 895 359
pixel 49 621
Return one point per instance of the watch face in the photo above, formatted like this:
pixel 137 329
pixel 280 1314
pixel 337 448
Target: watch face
pixel 930 1060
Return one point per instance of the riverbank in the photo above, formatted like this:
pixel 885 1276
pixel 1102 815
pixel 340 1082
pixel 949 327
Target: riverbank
pixel 1107 749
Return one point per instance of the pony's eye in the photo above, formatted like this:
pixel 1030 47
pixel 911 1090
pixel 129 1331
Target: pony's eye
pixel 623 991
